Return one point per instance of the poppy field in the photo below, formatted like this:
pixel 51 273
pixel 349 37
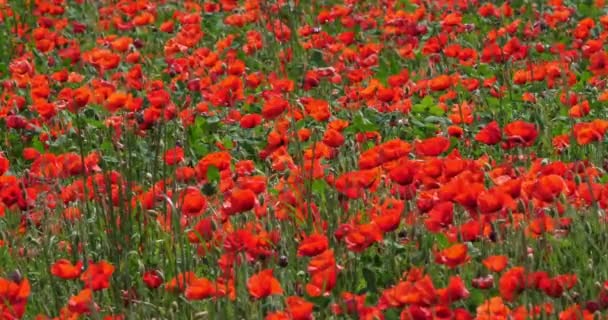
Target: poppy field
pixel 296 160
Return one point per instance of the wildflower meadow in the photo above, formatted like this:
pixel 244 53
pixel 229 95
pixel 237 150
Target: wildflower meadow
pixel 303 159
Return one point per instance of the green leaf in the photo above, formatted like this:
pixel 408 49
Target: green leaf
pixel 370 279
pixel 319 186
pixel 213 174
pixel 427 101
pixel 493 102
pixel 436 110
pixel 477 297
pixel 37 144
pixel 227 142
pixel 442 240
pixel 418 108
pixel 436 119
pixel 360 124
pixel 316 59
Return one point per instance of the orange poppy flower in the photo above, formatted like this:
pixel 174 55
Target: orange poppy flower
pixel 393 149
pixel 453 256
pixel 495 263
pixel 419 292
pixel 199 289
pixel 575 312
pixel 263 284
pixel 440 83
pixel 180 282
pixel 13 297
pixel 363 236
pixel 580 110
pixel 116 101
pixel 493 309
pixel 82 303
pixel 548 187
pixel 298 308
pixel 318 109
pixel 97 276
pixel 64 269
pixel 122 44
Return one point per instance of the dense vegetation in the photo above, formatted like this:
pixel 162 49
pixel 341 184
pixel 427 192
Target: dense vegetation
pixel 319 159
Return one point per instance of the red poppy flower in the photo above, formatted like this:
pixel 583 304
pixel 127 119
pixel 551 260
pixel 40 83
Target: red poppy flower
pixel 97 276
pixel 333 138
pixel 521 133
pixel 274 107
pixel 318 109
pixel 512 283
pixel 403 173
pixel 202 230
pixel 322 281
pixel 493 200
pixel 323 272
pixel 313 245
pixel 483 282
pixel 432 147
pixel 174 156
pixel 441 216
pixel 490 134
pixel 193 203
pixel 389 218
pixel 4 164
pixel 456 290
pixel 251 120
pixel 221 160
pixel 240 200
pixel 152 279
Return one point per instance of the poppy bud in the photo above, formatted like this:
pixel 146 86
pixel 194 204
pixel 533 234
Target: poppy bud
pixel 283 261
pixel 16 276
